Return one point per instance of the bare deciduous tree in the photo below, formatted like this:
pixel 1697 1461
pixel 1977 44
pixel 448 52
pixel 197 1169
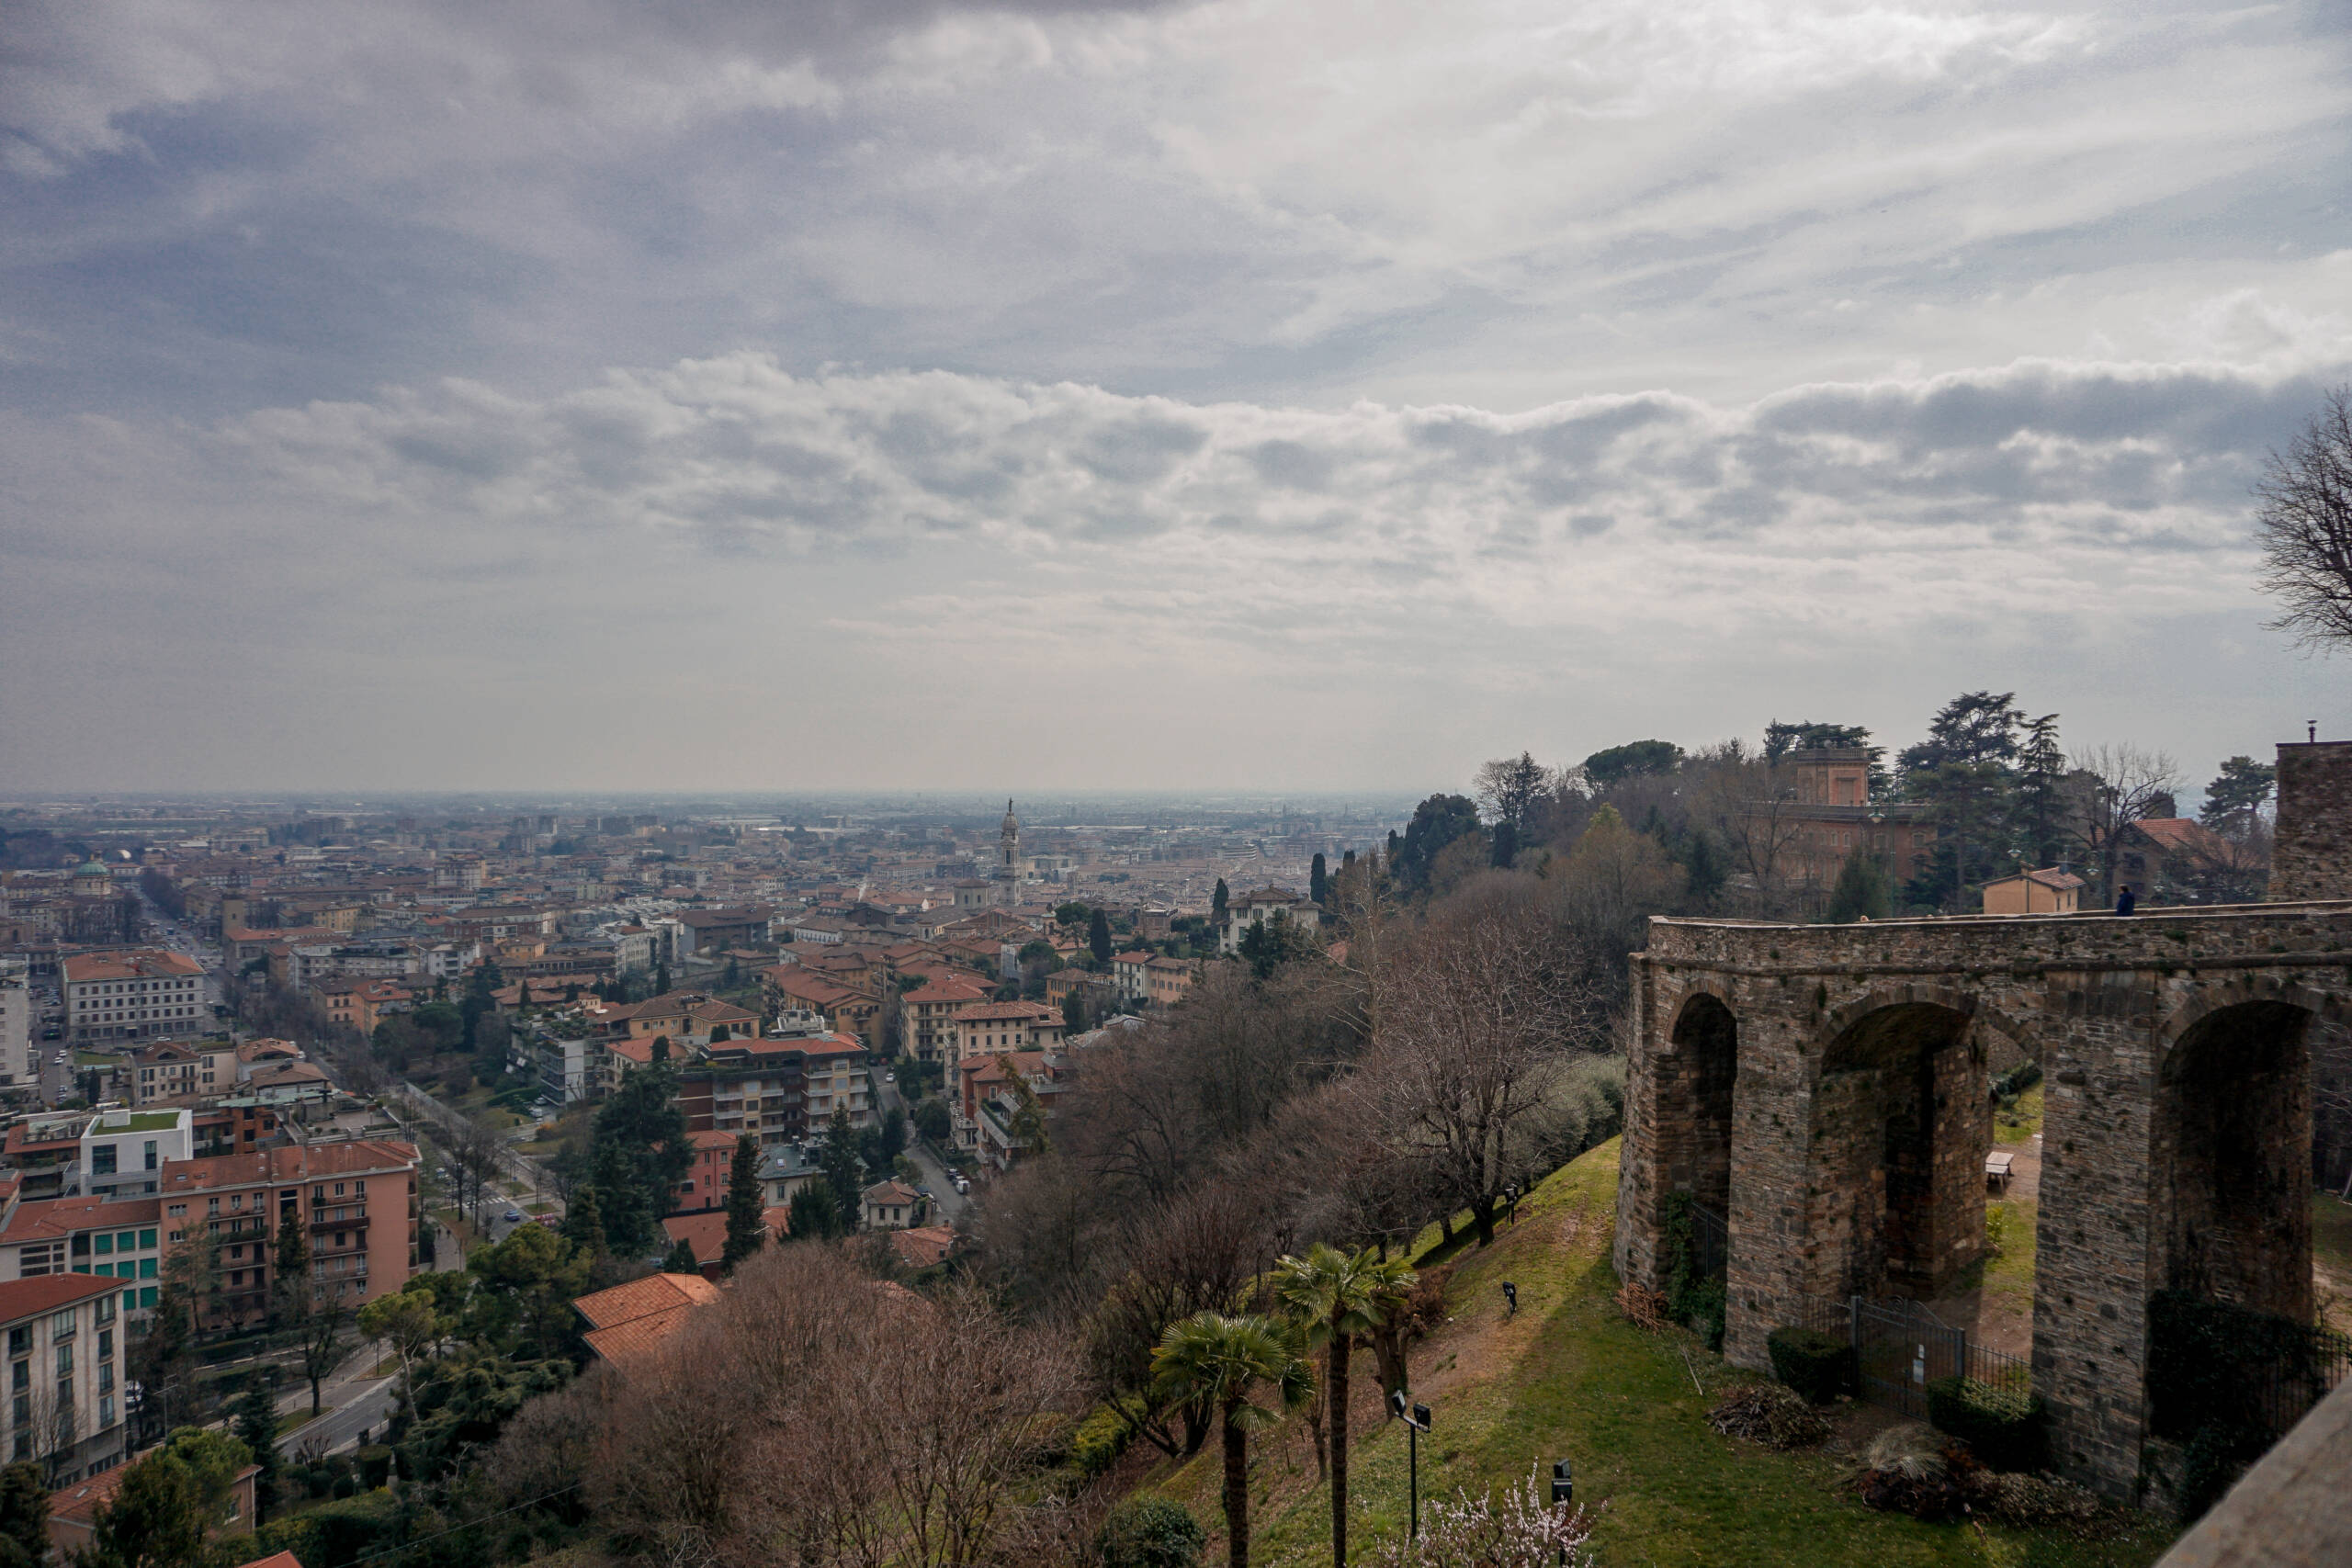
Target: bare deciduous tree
pixel 819 1415
pixel 2305 525
pixel 1479 1015
pixel 2112 787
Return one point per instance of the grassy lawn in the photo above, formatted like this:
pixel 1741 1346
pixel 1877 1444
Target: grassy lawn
pixel 295 1422
pixel 2016 1123
pixel 2332 1259
pixel 1569 1378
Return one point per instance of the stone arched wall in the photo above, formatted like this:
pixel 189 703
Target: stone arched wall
pixel 2101 1001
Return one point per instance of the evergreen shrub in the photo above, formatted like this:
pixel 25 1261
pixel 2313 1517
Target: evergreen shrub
pixel 1151 1532
pixel 375 1466
pixel 1099 1440
pixel 2006 1428
pixel 1817 1365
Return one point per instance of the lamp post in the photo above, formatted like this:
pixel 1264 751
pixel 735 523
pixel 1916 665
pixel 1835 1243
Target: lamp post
pixel 1416 1421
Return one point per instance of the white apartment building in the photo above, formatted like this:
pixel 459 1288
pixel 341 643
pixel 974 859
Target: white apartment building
pixel 124 1152
pixel 64 1340
pixel 17 1066
pixel 145 994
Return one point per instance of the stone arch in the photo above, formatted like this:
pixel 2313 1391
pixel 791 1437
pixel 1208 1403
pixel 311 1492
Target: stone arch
pixel 1900 1124
pixel 1702 1064
pixel 1970 1004
pixel 2230 1138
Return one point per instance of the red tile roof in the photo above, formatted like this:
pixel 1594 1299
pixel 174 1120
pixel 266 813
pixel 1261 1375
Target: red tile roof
pixel 30 1298
pixel 633 1319
pixel 51 1219
pixel 924 1246
pixel 362 1156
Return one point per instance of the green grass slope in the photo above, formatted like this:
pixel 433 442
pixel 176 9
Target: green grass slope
pixel 1569 1378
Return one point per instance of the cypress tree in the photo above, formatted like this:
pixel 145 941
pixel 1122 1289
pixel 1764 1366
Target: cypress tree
pixel 681 1260
pixel 744 1232
pixel 1318 880
pixel 1098 937
pixel 583 1223
pixel 1217 902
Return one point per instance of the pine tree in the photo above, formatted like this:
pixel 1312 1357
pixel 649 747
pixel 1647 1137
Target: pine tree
pixel 744 1206
pixel 844 1172
pixel 254 1420
pixel 681 1260
pixel 583 1223
pixel 23 1516
pixel 290 1262
pixel 1861 891
pixel 812 1217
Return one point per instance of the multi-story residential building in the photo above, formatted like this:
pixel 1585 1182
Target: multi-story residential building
pixel 361 1003
pixel 146 994
pixel 991 1029
pixel 998 1114
pixel 1132 971
pixel 111 1238
pixel 17 1067
pixel 793 988
pixel 712 931
pixel 124 1152
pixel 64 1336
pixel 1166 980
pixel 927 1016
pixel 1259 905
pixel 46 1154
pixel 166 1071
pixel 572 1066
pixel 356 1200
pixel 777 1090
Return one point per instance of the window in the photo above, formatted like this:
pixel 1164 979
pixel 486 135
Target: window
pixel 212 1205
pixel 146 1295
pixel 146 1240
pixel 105 1314
pixel 147 1271
pixel 20 1376
pixel 104 1244
pixel 66 1359
pixel 62 1325
pixel 24 1417
pixel 102 1159
pixel 150 1153
pixel 174 1212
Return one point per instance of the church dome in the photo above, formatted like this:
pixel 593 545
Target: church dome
pixel 1011 823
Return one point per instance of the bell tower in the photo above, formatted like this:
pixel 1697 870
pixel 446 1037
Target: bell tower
pixel 1008 855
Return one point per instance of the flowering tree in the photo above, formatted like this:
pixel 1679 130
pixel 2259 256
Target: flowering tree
pixel 1523 1531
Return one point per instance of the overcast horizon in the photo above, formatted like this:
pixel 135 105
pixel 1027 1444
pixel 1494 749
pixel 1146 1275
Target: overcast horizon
pixel 1106 398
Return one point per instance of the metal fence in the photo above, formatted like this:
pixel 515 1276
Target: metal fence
pixel 1900 1347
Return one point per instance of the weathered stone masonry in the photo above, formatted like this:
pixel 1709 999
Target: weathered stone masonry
pixel 2176 1136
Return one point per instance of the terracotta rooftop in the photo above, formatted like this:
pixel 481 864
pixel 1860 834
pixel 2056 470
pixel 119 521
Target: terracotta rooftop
pixel 630 1320
pixel 30 1298
pixel 924 1246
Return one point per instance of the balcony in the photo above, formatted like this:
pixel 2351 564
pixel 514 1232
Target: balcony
pixel 350 1221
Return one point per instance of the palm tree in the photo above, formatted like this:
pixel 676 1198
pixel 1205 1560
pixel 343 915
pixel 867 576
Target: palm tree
pixel 1219 1361
pixel 1338 1295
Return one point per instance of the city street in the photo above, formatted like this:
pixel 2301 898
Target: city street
pixel 949 1202
pixel 355 1400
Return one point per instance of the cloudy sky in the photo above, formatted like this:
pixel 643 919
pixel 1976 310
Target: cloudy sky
pixel 594 393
